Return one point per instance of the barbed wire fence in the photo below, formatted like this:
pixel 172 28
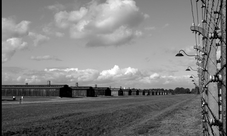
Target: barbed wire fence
pixel 211 61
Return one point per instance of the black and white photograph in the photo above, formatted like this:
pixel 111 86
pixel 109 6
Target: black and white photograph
pixel 113 68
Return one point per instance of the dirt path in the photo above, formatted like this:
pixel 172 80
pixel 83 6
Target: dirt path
pixel 181 119
pixel 185 121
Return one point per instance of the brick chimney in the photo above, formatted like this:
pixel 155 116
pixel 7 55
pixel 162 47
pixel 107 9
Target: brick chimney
pixel 49 82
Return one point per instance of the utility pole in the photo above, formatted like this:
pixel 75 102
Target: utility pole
pixel 212 86
pixel 223 62
pixel 211 65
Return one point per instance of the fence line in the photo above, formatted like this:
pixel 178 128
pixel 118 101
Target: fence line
pixel 212 77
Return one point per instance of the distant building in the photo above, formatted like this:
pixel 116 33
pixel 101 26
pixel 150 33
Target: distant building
pixel 31 90
pixel 102 91
pixel 78 91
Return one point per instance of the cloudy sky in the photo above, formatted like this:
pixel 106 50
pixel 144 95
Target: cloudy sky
pixel 128 43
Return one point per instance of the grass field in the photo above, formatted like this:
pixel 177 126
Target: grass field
pixel 116 116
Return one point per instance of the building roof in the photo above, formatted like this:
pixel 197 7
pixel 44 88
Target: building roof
pixel 101 88
pixel 81 87
pixel 31 86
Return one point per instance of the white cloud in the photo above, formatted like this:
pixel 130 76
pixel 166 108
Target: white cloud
pixel 45 57
pixel 130 70
pixel 61 19
pixel 118 37
pixel 12 35
pixel 39 39
pixel 119 75
pixel 150 28
pixel 72 75
pixel 48 29
pixel 146 16
pixel 166 25
pixel 65 70
pixel 56 7
pixel 33 79
pixel 19 78
pixel 59 34
pixel 138 33
pixel 110 72
pixel 111 23
pixel 12 30
pixel 64 19
pixel 154 76
pixel 115 77
pixel 190 50
pixel 162 80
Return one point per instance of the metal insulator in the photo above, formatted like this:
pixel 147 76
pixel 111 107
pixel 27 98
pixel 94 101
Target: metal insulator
pixel 218 44
pixel 219 61
pixel 216 78
pixel 203 104
pixel 196 47
pixel 211 77
pixel 203 6
pixel 216 12
pixel 217 34
pixel 206 91
pixel 211 35
pixel 204 21
pixel 203 115
pixel 203 38
pixel 204 112
pixel 198 64
pixel 212 122
pixel 216 28
pixel 219 103
pixel 219 77
pixel 204 53
pixel 204 130
pixel 197 57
